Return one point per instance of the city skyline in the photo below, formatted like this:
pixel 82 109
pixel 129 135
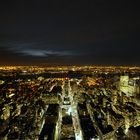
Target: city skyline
pixel 76 103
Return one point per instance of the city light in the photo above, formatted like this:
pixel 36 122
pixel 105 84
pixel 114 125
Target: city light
pixel 91 102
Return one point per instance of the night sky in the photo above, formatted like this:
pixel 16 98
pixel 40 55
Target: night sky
pixel 69 32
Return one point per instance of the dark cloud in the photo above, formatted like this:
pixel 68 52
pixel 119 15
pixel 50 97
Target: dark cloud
pixel 69 32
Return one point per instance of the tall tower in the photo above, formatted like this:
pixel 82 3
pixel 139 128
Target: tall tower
pixel 124 87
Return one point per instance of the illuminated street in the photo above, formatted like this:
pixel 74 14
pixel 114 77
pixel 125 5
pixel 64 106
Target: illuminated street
pixel 55 104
